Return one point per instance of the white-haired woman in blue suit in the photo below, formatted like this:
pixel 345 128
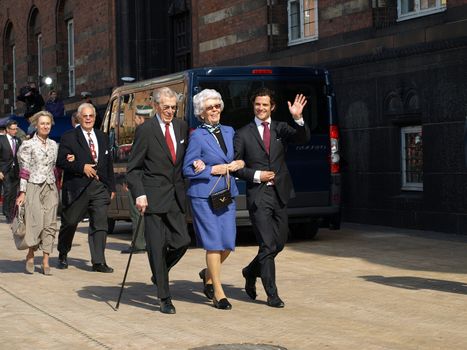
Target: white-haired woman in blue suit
pixel 212 143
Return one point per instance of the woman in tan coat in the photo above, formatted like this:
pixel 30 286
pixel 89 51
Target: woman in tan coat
pixel 38 190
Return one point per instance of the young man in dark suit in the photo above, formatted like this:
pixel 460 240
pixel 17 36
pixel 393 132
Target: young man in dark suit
pixel 9 169
pixel 88 186
pixel 155 180
pixel 262 145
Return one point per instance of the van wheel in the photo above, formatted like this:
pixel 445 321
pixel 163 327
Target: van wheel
pixel 111 225
pixel 304 230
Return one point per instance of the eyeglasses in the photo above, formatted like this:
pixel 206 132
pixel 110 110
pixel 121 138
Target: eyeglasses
pixel 166 107
pixel 211 107
pixel 87 115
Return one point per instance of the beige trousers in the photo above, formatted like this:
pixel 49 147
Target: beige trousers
pixel 41 215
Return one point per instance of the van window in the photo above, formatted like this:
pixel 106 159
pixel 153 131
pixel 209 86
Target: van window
pixel 238 110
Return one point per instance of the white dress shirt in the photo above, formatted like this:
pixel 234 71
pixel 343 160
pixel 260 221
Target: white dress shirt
pixel 93 138
pixel 259 125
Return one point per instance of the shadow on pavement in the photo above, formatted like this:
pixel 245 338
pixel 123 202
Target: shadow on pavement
pixel 386 246
pixel 417 283
pixel 143 295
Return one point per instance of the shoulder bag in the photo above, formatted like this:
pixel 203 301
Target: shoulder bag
pixel 223 198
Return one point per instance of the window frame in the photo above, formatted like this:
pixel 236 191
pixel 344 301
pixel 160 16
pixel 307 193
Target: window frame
pixel 13 54
pixel 302 38
pixel 39 61
pixel 409 186
pixel 71 57
pixel 440 7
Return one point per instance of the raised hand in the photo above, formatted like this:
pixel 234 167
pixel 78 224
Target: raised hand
pixel 296 108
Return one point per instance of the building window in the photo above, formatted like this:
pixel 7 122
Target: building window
pixel 412 158
pixel 71 58
pixel 39 61
pixel 407 9
pixel 13 58
pixel 303 21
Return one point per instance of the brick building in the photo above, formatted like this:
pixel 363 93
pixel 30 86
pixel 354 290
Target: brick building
pixel 88 46
pixel 400 75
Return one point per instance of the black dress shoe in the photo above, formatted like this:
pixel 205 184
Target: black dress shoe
pixel 135 251
pixel 275 301
pixel 222 304
pixel 62 262
pixel 250 284
pixel 102 268
pixel 208 289
pixel 167 307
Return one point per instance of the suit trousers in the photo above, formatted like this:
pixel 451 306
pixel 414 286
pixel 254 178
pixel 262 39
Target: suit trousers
pixel 95 200
pixel 167 240
pixel 270 223
pixel 10 191
pixel 140 243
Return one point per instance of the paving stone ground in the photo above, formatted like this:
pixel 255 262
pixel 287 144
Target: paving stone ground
pixel 363 287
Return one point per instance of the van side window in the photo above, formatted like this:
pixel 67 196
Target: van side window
pixel 125 122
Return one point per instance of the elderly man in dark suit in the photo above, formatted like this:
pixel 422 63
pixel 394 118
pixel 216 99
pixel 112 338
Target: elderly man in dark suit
pixel 9 169
pixel 262 145
pixel 155 181
pixel 88 186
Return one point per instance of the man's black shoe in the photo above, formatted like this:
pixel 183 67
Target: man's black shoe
pixel 250 284
pixel 135 251
pixel 62 262
pixel 167 307
pixel 275 301
pixel 102 268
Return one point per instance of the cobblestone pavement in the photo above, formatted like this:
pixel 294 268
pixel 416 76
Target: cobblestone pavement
pixel 363 287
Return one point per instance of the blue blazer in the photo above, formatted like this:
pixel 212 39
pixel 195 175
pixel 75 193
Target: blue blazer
pixel 204 146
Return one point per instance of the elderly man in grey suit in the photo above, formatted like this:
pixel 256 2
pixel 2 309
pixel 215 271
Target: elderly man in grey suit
pixel 155 180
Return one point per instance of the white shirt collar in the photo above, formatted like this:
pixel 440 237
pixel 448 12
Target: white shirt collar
pixel 259 121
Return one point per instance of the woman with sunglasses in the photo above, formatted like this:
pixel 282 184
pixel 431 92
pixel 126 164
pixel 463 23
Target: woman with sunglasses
pixel 212 143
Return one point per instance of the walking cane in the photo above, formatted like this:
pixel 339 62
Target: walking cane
pixel 132 248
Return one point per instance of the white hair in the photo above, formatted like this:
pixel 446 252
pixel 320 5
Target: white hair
pixel 200 98
pixel 164 91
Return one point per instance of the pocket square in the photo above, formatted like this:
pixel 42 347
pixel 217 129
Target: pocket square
pixel 182 141
pixel 106 152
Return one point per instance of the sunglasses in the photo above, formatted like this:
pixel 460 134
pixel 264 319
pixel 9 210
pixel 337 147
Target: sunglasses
pixel 211 107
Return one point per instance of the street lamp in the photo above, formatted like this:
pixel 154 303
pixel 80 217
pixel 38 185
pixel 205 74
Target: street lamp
pixel 45 80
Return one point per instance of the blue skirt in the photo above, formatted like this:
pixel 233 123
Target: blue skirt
pixel 215 230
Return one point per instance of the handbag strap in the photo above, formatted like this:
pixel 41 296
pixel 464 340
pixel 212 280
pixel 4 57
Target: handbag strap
pixel 227 176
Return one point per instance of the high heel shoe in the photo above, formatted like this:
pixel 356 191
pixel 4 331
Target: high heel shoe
pixel 30 266
pixel 222 304
pixel 208 289
pixel 46 270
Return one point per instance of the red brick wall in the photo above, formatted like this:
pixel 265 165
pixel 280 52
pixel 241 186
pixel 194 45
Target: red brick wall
pixel 253 21
pixel 94 27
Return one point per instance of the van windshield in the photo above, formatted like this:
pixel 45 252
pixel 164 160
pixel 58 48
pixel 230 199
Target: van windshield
pixel 238 110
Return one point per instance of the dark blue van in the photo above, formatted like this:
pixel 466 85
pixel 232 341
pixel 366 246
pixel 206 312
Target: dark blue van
pixel 314 166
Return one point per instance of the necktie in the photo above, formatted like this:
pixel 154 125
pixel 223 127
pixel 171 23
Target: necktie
pixel 13 146
pixel 92 148
pixel 170 143
pixel 266 136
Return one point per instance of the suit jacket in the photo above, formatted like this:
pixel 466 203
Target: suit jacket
pixel 151 171
pixel 250 147
pixel 74 179
pixel 204 146
pixel 6 155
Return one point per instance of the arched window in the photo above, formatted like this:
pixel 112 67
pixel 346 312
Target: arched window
pixel 9 69
pixel 34 47
pixel 66 47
